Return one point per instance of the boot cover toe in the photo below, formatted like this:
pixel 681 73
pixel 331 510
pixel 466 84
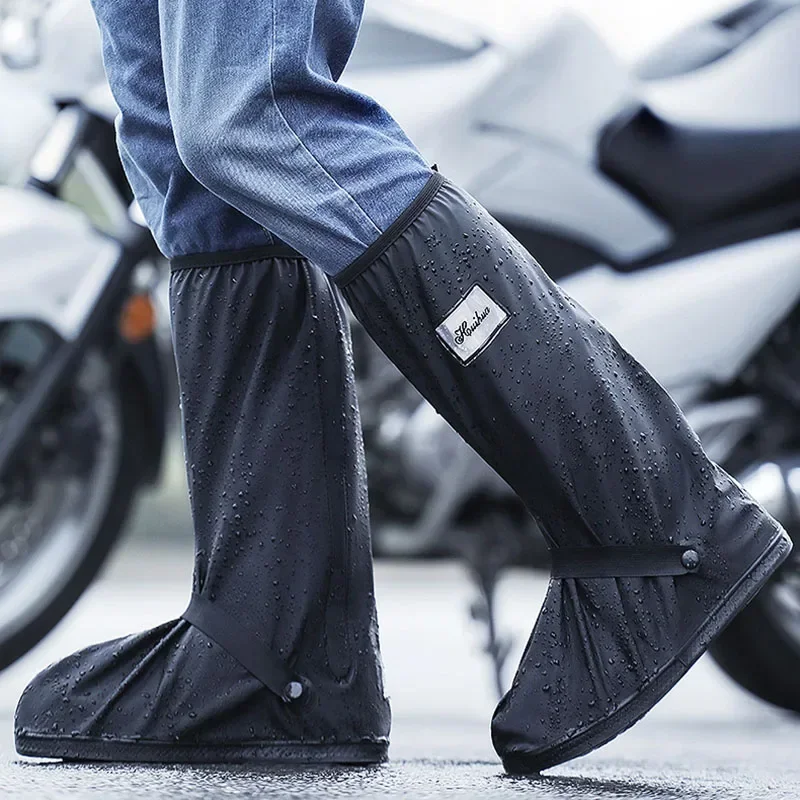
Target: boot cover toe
pixel 172 695
pixel 605 650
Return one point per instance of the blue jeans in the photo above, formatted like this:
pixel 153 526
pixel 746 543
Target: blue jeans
pixel 234 131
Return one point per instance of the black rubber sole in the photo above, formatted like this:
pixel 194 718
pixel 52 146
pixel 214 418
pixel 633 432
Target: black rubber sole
pixel 152 752
pixel 633 709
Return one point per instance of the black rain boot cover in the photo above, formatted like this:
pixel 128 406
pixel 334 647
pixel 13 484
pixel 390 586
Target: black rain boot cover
pixel 648 536
pixel 285 663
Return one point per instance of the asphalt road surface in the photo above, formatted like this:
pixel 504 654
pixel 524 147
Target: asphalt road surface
pixel 707 739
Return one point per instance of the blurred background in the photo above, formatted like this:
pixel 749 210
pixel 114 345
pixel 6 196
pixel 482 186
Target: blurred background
pixel 648 154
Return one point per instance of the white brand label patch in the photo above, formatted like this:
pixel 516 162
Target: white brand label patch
pixel 471 325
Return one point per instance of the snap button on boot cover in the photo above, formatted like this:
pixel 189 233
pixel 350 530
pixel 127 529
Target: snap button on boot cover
pixel 690 559
pixel 292 691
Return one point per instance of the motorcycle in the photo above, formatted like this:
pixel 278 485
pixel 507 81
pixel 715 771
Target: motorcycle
pixel 82 392
pixel 666 200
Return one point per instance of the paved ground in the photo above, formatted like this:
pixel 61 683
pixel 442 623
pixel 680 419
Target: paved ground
pixel 706 740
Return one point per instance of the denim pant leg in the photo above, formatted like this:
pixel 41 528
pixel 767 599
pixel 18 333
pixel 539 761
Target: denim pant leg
pixel 260 119
pixel 184 216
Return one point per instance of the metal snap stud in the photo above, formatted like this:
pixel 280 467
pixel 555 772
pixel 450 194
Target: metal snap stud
pixel 292 691
pixel 690 559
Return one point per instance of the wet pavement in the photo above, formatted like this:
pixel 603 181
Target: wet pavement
pixel 706 740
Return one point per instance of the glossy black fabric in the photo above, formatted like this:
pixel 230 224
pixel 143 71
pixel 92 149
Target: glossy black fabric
pixel 590 441
pixel 278 495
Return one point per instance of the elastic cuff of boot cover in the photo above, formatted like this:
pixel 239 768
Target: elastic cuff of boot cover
pixel 227 258
pixel 624 562
pixel 393 232
pixel 240 643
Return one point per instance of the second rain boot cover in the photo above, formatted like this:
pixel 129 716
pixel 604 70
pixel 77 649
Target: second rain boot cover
pixel 276 657
pixel 654 547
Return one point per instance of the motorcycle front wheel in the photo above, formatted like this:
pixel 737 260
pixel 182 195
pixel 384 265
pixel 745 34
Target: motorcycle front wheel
pixel 65 504
pixel 760 649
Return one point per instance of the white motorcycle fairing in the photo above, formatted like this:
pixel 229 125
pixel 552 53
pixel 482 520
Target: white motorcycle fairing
pixel 497 124
pixel 754 86
pixel 524 139
pixel 53 262
pixel 700 319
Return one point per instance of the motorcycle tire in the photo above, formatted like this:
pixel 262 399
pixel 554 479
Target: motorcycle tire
pixel 119 500
pixel 760 649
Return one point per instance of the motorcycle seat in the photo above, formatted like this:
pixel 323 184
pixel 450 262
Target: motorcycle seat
pixel 692 176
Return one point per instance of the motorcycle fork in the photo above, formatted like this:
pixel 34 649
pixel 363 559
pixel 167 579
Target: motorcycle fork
pixel 59 368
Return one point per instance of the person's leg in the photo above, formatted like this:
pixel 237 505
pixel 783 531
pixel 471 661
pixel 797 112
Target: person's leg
pixel 184 216
pixel 276 657
pixel 655 548
pixel 260 120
